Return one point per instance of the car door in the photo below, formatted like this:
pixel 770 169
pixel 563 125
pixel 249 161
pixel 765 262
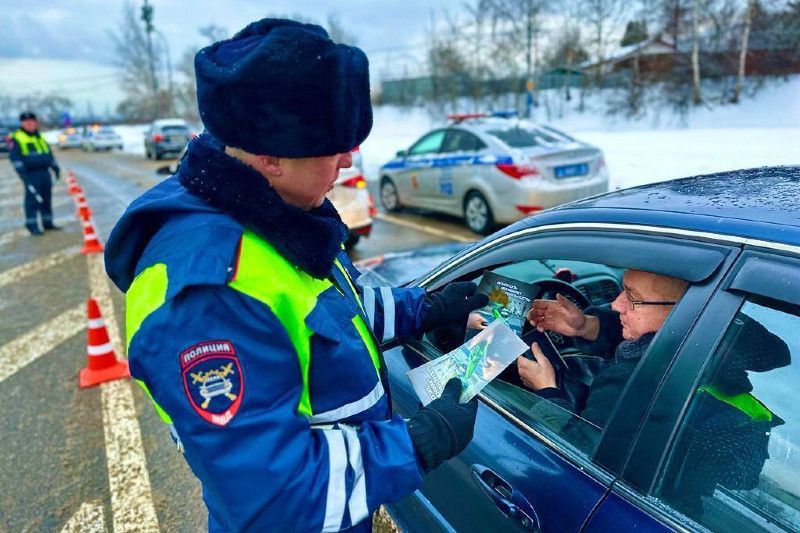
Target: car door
pixel 419 169
pixel 720 446
pixel 519 472
pixel 457 162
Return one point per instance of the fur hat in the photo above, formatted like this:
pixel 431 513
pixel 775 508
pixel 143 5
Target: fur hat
pixel 284 88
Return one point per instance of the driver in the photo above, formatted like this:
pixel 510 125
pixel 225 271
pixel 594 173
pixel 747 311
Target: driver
pixel 622 335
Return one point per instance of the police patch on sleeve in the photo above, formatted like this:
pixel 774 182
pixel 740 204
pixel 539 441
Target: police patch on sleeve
pixel 213 380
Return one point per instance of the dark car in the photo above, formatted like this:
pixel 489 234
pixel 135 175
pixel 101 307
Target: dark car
pixel 704 433
pixel 166 137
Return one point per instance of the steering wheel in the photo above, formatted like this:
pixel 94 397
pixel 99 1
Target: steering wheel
pixel 548 288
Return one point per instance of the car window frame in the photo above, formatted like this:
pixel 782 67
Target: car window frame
pixel 661 427
pixel 606 462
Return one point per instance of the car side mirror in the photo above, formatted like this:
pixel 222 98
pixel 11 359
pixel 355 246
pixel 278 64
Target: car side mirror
pixel 401 153
pixel 163 171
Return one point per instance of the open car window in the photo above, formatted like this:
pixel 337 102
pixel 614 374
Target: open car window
pixel 589 376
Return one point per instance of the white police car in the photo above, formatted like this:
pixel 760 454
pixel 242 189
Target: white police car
pixel 492 169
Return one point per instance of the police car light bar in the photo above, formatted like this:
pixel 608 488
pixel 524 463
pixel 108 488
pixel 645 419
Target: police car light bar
pixel 509 113
pixel 458 117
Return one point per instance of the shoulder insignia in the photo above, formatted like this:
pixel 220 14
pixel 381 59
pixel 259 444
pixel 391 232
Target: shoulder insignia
pixel 213 380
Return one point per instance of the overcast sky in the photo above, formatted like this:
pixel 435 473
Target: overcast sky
pixel 65 45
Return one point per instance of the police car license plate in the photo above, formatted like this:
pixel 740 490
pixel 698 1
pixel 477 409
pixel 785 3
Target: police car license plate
pixel 569 171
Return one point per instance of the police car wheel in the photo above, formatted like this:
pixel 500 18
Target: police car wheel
pixel 389 198
pixel 478 214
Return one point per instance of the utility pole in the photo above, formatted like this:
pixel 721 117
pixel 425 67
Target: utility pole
pixel 147 18
pixel 529 83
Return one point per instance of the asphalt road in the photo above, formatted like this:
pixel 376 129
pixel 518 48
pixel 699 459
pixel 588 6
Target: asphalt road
pixel 98 459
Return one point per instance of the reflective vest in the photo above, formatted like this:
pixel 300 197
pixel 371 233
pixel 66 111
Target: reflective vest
pixel 25 141
pixel 744 402
pixel 291 300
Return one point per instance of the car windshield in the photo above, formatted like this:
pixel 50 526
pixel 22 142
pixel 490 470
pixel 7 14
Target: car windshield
pixel 522 137
pixel 175 129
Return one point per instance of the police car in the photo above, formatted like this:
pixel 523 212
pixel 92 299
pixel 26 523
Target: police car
pixel 492 169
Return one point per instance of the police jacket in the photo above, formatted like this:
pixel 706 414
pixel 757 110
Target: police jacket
pixel 245 326
pixel 30 154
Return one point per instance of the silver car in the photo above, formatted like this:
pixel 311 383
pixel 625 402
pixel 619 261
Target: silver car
pixel 101 138
pixel 491 170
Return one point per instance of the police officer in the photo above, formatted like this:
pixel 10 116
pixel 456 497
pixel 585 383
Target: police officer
pixel 245 323
pixel 32 159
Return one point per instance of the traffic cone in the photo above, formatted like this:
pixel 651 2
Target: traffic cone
pixel 101 362
pixel 74 188
pixel 83 212
pixel 91 245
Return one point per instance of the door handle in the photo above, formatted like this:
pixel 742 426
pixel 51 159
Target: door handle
pixel 510 502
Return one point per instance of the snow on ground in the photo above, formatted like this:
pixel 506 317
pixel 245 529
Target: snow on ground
pixel 760 131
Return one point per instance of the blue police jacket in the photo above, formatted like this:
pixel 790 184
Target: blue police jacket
pixel 282 411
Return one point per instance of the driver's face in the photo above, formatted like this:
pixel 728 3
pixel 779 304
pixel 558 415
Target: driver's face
pixel 644 318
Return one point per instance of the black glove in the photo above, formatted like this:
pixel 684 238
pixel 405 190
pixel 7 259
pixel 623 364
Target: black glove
pixel 57 172
pixel 451 306
pixel 443 429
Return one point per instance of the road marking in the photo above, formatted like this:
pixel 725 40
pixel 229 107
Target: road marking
pixel 18 273
pixel 131 497
pixel 23 350
pixel 88 518
pixel 391 219
pixel 19 233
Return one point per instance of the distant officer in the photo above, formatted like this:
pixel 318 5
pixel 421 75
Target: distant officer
pixel 32 159
pixel 246 325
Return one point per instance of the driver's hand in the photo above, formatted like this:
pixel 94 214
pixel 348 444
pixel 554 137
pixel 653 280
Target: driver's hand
pixel 559 315
pixel 476 321
pixel 537 374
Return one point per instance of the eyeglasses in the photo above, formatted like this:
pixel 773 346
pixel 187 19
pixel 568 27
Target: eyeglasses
pixel 633 303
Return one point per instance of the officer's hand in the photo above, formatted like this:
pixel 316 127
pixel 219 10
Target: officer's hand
pixel 443 428
pixel 58 173
pixel 452 305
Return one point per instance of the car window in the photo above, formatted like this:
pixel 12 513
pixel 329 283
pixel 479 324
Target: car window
pixel 429 144
pixel 522 137
pixel 736 462
pixel 592 377
pixel 461 141
pixel 174 129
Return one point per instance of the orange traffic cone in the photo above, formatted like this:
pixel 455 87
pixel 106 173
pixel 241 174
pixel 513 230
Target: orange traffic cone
pixel 74 188
pixel 71 179
pixel 83 212
pixel 101 362
pixel 91 245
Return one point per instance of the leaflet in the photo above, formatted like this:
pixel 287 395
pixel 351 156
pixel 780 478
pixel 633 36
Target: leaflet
pixel 509 299
pixel 476 362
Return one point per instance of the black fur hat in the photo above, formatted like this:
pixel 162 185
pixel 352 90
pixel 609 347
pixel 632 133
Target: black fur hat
pixel 284 88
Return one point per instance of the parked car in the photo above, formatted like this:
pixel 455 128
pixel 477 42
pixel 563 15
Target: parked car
pixel 353 201
pixel 349 195
pixel 166 137
pixel 70 138
pixel 663 460
pixel 492 169
pixel 101 138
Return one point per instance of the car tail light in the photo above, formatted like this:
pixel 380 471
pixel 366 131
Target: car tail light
pixel 373 211
pixel 528 209
pixel 158 138
pixel 356 181
pixel 517 171
pixel 356 149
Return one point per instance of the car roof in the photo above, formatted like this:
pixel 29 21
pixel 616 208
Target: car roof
pixel 757 203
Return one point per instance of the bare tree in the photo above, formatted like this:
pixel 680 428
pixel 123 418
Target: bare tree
pixel 603 18
pixel 748 21
pixel 143 101
pixel 696 93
